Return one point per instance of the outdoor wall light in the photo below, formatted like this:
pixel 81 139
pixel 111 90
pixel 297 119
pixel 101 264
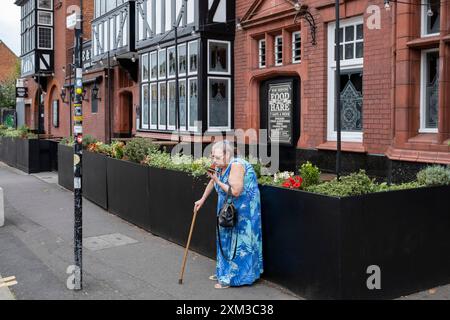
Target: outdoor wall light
pixel 387 6
pixel 133 59
pixel 63 95
pixel 84 95
pixel 94 92
pixel 115 58
pixel 238 25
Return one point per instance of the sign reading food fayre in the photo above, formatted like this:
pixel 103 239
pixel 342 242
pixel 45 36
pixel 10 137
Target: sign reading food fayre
pixel 280 114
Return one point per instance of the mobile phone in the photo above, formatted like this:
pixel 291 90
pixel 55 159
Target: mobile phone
pixel 211 170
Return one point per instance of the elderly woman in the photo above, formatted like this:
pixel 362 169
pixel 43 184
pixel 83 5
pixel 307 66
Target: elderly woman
pixel 242 264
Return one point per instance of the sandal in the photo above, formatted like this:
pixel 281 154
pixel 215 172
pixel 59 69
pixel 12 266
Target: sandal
pixel 213 277
pixel 219 286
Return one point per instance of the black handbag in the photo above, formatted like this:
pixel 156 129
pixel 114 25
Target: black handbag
pixel 227 215
pixel 227 218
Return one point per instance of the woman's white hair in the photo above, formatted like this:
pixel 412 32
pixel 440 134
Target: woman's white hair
pixel 225 145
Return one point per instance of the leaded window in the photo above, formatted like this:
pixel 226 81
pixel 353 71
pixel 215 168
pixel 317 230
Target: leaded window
pixel 193 104
pixel 162 63
pixel 351 101
pixel 219 103
pixel 171 63
pixel 219 57
pixel 429 90
pixel 193 57
pixel 162 105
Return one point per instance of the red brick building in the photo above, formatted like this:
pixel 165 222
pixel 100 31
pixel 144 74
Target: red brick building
pixel 395 86
pixel 8 62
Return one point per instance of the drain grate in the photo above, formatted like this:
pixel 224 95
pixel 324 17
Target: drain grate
pixel 107 241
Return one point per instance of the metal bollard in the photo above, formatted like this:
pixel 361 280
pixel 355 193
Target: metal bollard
pixel 2 209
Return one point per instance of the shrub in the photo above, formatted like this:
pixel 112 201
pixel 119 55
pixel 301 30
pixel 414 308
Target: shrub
pixel 267 180
pixel 434 176
pixel 354 184
pixel 68 141
pixel 87 140
pixel 117 150
pixel 137 149
pixel 310 174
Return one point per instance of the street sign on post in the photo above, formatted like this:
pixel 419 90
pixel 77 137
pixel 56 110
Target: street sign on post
pixel 74 22
pixel 71 21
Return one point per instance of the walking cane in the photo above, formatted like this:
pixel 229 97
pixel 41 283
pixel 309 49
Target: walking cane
pixel 180 281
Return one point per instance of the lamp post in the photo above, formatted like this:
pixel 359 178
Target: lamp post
pixel 75 22
pixel 338 92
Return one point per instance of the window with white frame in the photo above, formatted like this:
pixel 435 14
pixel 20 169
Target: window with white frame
pixel 183 105
pixel 45 38
pixel 144 63
pixel 351 44
pixel 162 106
pixel 171 110
pixel 45 4
pixel 262 53
pixel 219 57
pixel 278 50
pixel 154 65
pixel 153 106
pixel 296 47
pixel 193 57
pixel 193 104
pixel 145 106
pixel 171 62
pixel 219 104
pixel 429 91
pixel 182 63
pixel 45 18
pixel 162 63
pixel 430 21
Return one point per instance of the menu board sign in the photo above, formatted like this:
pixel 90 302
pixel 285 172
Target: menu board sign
pixel 280 113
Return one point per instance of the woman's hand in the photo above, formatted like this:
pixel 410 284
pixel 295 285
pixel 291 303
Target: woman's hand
pixel 213 177
pixel 198 204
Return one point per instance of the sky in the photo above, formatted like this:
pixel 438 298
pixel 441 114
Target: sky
pixel 10 25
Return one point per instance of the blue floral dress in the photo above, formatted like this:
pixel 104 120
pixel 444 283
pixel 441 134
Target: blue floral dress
pixel 247 266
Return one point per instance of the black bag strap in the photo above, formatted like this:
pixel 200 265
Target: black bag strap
pixel 220 242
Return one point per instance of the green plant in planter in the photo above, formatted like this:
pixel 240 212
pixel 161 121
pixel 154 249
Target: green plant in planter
pixel 87 140
pixel 310 174
pixel 137 149
pixel 68 141
pixel 354 184
pixel 117 150
pixel 434 176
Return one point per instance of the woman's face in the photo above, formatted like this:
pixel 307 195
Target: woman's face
pixel 218 158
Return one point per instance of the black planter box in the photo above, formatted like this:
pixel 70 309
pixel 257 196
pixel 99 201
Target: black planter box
pixel 128 191
pixel 65 166
pixel 94 178
pixel 33 155
pixel 172 197
pixel 9 153
pixel 320 247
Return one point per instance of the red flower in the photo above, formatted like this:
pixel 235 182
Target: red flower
pixel 293 182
